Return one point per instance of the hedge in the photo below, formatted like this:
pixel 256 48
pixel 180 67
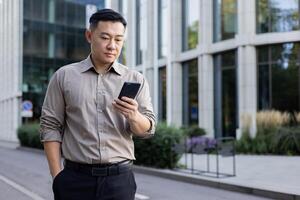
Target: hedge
pixel 158 150
pixel 29 136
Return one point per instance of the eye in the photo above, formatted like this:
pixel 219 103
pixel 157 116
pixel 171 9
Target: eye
pixel 105 38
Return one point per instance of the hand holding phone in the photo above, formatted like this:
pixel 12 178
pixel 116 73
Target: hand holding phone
pixel 129 89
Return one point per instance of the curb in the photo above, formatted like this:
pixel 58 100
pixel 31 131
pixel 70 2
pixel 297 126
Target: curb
pixel 189 178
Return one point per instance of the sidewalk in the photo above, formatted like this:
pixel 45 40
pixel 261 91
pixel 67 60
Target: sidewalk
pixel 275 177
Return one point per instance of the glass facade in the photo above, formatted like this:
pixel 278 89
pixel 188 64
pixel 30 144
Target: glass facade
pixel 225 96
pixel 279 77
pixel 277 15
pixel 162 110
pixel 162 28
pixel 53 36
pixel 190 92
pixel 225 19
pixel 190 25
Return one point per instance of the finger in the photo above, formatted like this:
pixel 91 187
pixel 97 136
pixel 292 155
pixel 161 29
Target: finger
pixel 121 107
pixel 129 100
pixel 125 104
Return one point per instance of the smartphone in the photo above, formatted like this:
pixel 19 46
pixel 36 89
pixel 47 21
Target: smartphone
pixel 129 89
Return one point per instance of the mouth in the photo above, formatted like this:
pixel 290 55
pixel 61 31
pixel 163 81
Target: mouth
pixel 110 55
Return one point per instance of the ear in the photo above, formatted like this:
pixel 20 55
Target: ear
pixel 88 35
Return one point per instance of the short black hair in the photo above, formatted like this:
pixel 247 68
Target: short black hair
pixel 106 15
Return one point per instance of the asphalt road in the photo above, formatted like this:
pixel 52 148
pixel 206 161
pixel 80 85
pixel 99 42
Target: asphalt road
pixel 24 176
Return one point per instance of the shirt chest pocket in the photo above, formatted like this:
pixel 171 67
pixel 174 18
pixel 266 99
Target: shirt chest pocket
pixel 79 95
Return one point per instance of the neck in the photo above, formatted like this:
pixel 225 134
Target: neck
pixel 100 67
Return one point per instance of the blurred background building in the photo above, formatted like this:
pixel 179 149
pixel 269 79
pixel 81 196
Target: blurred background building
pixel 208 62
pixel 37 37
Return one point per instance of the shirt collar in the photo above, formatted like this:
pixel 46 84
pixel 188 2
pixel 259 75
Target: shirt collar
pixel 88 64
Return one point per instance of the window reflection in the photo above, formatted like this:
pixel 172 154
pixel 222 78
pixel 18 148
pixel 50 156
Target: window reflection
pixel 225 97
pixel 278 78
pixel 190 92
pixel 162 94
pixel 53 36
pixel 225 19
pixel 32 46
pixel 277 15
pixel 190 23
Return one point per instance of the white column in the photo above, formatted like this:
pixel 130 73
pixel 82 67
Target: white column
pixel 247 84
pixel 205 72
pixel 174 70
pixel 131 37
pixel 206 94
pixel 11 34
pixel 155 97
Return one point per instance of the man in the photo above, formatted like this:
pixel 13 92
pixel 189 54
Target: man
pixel 83 118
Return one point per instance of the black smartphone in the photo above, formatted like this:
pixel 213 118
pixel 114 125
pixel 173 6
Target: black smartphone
pixel 129 89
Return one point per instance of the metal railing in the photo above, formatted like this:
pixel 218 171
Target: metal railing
pixel 193 151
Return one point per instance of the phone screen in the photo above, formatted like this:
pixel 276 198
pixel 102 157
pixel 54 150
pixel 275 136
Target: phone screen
pixel 129 89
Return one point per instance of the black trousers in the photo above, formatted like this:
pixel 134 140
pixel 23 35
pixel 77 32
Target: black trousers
pixel 70 184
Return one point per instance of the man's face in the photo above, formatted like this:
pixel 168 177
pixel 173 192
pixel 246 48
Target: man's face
pixel 106 41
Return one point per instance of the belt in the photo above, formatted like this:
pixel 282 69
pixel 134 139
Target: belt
pixel 100 169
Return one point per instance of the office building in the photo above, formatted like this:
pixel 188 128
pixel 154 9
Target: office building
pixel 37 37
pixel 212 62
pixel 208 62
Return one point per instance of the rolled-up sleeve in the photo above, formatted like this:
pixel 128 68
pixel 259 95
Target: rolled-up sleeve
pixel 53 111
pixel 146 107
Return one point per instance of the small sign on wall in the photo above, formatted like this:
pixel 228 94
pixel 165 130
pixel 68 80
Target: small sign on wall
pixel 27 109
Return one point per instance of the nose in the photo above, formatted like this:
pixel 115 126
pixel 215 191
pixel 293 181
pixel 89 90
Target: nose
pixel 111 45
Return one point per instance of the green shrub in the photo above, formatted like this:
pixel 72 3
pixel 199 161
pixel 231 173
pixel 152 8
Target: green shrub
pixel 29 136
pixel 193 131
pixel 157 151
pixel 286 141
pixel 283 140
pixel 244 144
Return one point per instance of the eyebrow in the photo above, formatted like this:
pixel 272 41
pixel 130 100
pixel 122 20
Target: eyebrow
pixel 104 33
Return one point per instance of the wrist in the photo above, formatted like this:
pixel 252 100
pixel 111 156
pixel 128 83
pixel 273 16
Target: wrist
pixel 135 117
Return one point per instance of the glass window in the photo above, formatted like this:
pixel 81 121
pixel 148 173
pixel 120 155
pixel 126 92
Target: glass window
pixel 277 15
pixel 190 92
pixel 162 111
pixel 225 19
pixel 32 46
pixel 60 12
pixel 141 30
pixel 27 9
pixel 190 23
pixel 278 77
pixel 75 15
pixel 225 97
pixel 36 10
pixel 162 28
pixel 48 46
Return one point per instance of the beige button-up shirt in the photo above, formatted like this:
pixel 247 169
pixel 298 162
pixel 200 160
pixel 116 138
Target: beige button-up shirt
pixel 78 112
